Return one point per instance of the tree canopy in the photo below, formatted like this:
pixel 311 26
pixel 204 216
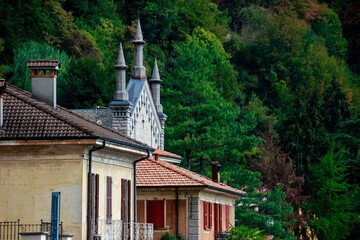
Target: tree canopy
pixel 262 87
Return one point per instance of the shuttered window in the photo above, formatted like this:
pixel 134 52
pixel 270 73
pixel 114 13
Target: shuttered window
pixel 94 200
pixel 218 217
pixel 108 199
pixel 227 217
pixel 207 215
pixel 155 213
pixel 125 200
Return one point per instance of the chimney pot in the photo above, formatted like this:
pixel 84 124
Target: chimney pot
pixel 43 80
pixel 215 166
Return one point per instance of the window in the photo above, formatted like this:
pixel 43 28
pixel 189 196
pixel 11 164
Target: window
pixel 218 218
pixel 207 215
pixel 94 201
pixel 227 217
pixel 155 213
pixel 125 200
pixel 108 199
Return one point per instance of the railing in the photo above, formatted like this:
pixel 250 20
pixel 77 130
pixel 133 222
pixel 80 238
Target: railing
pixel 117 230
pixel 11 230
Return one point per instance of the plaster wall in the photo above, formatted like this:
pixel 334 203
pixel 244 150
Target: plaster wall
pixel 29 175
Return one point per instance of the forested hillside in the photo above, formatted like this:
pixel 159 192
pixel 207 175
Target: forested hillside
pixel 270 89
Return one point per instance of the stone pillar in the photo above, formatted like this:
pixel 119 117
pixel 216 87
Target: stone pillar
pixel 194 218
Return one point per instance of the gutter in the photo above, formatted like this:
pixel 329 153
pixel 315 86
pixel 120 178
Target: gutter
pixel 93 149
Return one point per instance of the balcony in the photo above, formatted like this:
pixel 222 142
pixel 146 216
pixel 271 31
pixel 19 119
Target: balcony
pixel 118 230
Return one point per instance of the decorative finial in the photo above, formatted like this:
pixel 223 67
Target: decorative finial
pixel 120 62
pixel 155 77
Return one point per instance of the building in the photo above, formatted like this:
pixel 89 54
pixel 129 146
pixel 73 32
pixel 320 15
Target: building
pixel 182 202
pixel 45 148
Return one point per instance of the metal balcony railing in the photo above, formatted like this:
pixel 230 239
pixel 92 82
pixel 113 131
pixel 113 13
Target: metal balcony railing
pixel 118 230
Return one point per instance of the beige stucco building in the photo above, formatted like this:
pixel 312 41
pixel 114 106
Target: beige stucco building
pixel 45 148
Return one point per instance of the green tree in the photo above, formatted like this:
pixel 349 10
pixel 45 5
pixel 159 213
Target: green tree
pixel 331 204
pixel 266 210
pixel 204 125
pixel 245 233
pixel 34 50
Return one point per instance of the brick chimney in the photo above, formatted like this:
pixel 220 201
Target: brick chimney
pixel 43 80
pixel 2 89
pixel 215 166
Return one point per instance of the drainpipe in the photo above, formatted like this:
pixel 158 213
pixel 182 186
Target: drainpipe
pixel 177 211
pixel 136 161
pixel 93 149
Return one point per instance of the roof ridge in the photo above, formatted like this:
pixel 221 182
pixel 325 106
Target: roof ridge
pixel 189 174
pixel 179 170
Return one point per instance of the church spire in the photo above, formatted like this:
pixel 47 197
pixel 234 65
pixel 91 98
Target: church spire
pixel 138 71
pixel 155 82
pixel 121 94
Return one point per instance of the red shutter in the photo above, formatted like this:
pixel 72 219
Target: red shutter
pixel 205 215
pixel 108 198
pixel 155 213
pixel 150 212
pixel 220 218
pixel 210 215
pixel 159 213
pixel 227 217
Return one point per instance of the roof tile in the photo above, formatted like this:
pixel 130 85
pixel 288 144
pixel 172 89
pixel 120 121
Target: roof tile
pixel 158 173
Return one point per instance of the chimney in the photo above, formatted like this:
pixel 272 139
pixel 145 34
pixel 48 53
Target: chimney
pixel 215 166
pixel 2 89
pixel 43 80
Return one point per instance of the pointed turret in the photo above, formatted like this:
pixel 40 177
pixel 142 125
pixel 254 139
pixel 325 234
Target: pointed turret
pixel 138 71
pixel 121 94
pixel 120 106
pixel 155 82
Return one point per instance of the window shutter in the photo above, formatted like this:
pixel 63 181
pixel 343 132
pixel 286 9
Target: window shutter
pixel 108 198
pixel 123 200
pixel 150 211
pixel 210 215
pixel 155 213
pixel 205 214
pixel 159 213
pixel 129 200
pixel 97 181
pixel 227 217
pixel 220 218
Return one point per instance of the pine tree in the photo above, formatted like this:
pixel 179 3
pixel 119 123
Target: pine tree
pixel 331 204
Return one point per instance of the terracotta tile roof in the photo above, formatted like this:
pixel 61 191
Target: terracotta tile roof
pixel 166 154
pixel 25 117
pixel 157 173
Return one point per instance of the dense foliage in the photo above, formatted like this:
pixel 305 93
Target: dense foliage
pixel 263 87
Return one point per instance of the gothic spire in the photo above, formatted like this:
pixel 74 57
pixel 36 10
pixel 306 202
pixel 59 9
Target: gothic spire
pixel 138 71
pixel 155 82
pixel 121 94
